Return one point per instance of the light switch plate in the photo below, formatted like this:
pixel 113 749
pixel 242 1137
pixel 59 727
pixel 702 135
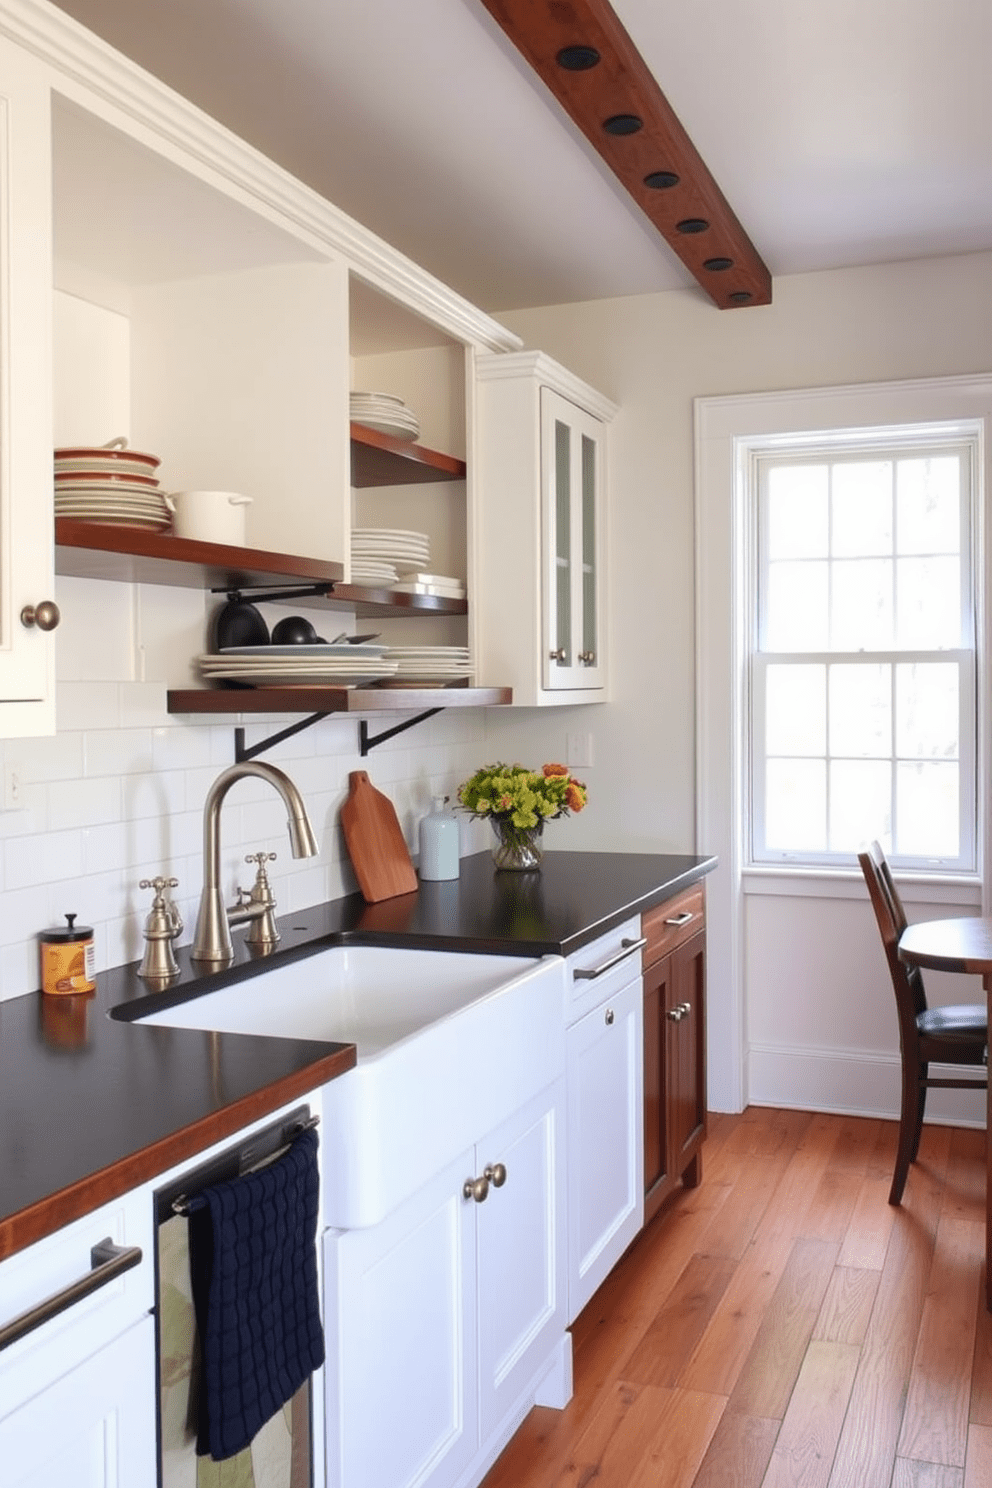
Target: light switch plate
pixel 578 751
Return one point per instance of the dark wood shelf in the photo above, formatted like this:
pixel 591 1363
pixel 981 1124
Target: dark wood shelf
pixel 369 603
pixel 383 460
pixel 91 550
pixel 356 700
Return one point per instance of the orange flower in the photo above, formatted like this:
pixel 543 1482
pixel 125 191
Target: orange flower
pixel 550 770
pixel 574 798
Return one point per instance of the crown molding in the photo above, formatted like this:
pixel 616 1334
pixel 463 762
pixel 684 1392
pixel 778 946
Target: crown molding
pixel 544 370
pixel 91 72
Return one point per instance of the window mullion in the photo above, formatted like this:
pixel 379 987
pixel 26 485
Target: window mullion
pixel 835 580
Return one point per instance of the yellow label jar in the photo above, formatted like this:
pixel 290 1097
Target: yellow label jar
pixel 67 959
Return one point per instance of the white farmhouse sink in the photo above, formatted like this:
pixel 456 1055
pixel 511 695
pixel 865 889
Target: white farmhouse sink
pixel 448 1044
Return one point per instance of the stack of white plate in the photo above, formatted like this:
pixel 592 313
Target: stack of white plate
pixel 299 666
pixel 114 485
pixel 430 663
pixel 373 571
pixel 386 413
pixel 378 552
pixel 415 581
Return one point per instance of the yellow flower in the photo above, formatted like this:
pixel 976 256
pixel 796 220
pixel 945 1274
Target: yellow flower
pixel 521 796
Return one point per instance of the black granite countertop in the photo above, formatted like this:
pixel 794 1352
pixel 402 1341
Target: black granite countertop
pixel 92 1103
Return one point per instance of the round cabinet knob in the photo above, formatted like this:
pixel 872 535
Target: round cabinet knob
pixel 45 615
pixel 559 655
pixel 496 1173
pixel 587 658
pixel 676 1014
pixel 476 1188
pixel 609 1017
pixel 685 1008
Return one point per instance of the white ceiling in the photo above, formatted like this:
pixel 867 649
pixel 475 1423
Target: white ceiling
pixel 852 133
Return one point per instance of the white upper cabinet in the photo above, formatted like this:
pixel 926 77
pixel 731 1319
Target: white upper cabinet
pixel 162 282
pixel 572 456
pixel 538 531
pixel 27 652
pixel 205 331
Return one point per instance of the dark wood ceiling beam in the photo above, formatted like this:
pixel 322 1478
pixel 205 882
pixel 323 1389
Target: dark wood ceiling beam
pixel 621 84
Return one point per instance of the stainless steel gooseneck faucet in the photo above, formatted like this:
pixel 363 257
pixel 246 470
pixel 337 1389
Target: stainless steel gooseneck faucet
pixel 212 939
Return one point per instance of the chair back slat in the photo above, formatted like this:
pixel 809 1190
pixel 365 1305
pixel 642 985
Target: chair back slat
pixel 907 982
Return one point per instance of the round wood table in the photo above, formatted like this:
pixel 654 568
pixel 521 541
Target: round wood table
pixel 960 945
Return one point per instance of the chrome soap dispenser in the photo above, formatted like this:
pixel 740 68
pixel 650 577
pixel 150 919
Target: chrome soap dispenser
pixel 439 842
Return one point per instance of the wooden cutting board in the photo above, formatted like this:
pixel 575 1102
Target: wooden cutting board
pixel 376 846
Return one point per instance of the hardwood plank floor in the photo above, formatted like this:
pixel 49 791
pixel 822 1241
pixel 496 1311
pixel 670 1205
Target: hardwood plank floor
pixel 781 1326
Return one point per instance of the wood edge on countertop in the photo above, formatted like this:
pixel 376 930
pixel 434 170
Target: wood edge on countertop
pixel 81 1198
pixel 339 922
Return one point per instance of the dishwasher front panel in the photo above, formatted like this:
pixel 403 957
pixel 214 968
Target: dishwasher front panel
pixel 280 1454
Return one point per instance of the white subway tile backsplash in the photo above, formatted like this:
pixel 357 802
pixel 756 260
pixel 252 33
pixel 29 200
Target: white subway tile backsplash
pixel 95 638
pixel 123 751
pixel 84 803
pixel 28 819
pixel 117 795
pixel 171 629
pixel 182 749
pixel 105 847
pixel 44 858
pixel 159 795
pixel 142 705
pixel 42 760
pixel 19 968
pixel 87 705
pixel 24 911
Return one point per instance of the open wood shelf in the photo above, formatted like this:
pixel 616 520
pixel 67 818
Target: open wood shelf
pixel 368 602
pixel 383 460
pixel 314 699
pixel 92 550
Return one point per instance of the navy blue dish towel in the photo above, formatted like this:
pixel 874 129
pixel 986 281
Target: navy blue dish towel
pixel 253 1267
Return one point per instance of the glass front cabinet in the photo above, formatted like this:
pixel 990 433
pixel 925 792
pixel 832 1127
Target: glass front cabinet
pixel 571 454
pixel 539 509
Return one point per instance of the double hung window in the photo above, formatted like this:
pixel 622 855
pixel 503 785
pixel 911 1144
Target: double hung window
pixel 861 676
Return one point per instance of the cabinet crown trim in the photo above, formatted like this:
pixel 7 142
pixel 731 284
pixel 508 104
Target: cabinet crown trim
pixel 125 92
pixel 546 371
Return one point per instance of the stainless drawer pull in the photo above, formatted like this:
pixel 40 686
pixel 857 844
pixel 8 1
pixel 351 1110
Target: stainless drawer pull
pixel 107 1259
pixel 581 974
pixel 680 919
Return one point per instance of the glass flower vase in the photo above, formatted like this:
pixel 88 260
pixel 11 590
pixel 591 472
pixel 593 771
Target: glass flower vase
pixel 517 848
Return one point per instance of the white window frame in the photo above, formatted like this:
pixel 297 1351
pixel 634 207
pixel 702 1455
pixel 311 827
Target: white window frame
pixel 720 425
pixel 962 437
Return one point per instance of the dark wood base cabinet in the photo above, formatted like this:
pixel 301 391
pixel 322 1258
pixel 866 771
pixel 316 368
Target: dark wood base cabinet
pixel 674 1045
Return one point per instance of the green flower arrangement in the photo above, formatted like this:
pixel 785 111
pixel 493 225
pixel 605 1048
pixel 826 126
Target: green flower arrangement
pixel 520 797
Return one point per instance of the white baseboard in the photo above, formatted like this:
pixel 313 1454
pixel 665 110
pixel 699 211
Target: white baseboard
pixel 850 1082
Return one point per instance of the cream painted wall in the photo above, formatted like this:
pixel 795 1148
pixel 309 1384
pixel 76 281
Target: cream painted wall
pixel 810 1041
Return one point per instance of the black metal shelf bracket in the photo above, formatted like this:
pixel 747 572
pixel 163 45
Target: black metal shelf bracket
pixel 241 753
pixel 367 741
pixel 244 591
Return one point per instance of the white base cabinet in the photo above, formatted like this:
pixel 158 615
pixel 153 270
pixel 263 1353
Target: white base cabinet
pixel 442 1320
pixel 94 1428
pixel 604 1075
pixel 604 1054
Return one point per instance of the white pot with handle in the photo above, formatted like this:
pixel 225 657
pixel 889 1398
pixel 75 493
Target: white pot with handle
pixel 209 516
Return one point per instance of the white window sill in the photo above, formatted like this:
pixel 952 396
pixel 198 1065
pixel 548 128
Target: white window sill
pixel 848 883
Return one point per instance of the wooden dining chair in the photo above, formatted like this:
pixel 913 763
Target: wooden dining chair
pixel 946 1035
